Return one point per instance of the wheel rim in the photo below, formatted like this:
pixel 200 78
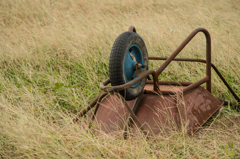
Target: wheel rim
pixel 129 69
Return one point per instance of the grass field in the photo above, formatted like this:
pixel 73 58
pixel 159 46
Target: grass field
pixel 54 54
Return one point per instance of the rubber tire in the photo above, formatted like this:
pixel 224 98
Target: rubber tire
pixel 116 63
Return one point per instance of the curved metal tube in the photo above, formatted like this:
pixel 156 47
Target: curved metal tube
pixel 183 44
pixel 132 28
pixel 131 83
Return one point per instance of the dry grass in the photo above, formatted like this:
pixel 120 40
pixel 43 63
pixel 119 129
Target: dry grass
pixel 55 53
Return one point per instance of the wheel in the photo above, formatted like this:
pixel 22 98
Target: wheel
pixel 128 49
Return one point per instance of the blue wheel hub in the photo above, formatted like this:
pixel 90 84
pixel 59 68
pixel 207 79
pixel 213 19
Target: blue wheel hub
pixel 129 69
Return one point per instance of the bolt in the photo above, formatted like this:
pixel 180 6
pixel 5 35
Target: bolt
pixel 141 65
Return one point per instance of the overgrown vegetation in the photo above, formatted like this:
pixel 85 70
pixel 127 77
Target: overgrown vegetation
pixel 54 54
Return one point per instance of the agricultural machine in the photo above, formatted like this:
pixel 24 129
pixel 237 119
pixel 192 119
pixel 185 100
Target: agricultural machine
pixel 134 101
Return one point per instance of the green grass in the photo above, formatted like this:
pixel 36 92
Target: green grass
pixel 54 54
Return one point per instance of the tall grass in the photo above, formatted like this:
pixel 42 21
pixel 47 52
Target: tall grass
pixel 54 54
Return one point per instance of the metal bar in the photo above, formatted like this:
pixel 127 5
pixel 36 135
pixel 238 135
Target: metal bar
pixel 170 83
pixel 196 84
pixel 183 44
pixel 90 106
pixel 226 84
pixel 106 82
pixel 134 108
pixel 177 59
pixel 132 114
pixel 136 103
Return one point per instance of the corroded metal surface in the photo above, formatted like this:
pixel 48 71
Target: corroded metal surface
pixel 197 107
pixel 159 113
pixel 112 114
